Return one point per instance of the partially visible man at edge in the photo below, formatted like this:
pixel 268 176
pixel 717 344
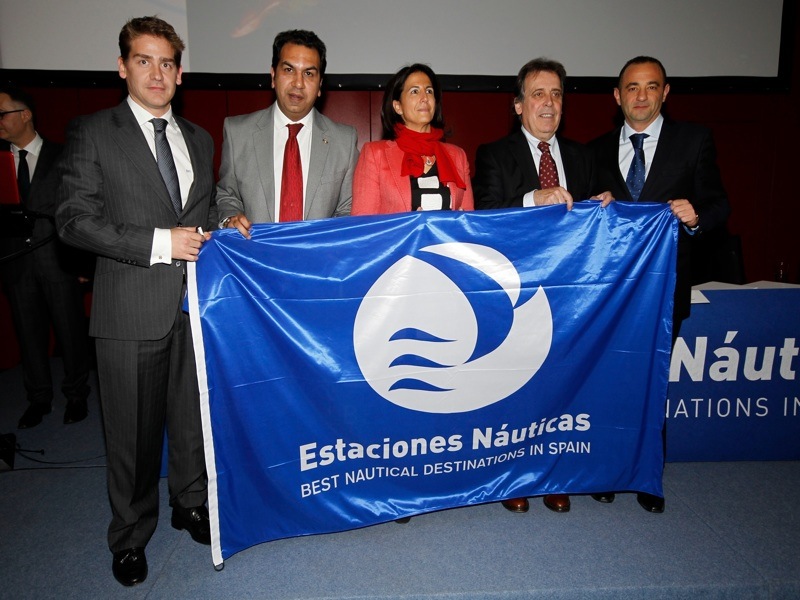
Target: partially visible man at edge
pixel 40 275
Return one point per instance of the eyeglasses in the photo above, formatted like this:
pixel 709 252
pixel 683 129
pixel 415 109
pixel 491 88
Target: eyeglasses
pixel 3 113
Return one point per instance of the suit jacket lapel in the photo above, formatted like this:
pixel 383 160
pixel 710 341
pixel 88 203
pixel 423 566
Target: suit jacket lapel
pixel 129 137
pixel 263 141
pixel 610 157
pixel 394 156
pixel 44 163
pixel 664 150
pixel 188 132
pixel 320 146
pixel 570 177
pixel 521 151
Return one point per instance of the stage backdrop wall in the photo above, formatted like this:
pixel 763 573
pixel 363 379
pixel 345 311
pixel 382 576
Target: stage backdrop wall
pixel 755 134
pixel 760 184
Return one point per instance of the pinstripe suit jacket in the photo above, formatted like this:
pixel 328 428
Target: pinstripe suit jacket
pixel 111 200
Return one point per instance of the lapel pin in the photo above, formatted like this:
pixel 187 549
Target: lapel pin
pixel 324 140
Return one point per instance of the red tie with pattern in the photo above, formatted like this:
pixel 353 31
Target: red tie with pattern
pixel 548 174
pixel 292 179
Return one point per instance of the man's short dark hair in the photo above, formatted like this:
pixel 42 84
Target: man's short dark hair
pixel 150 26
pixel 641 60
pixel 300 37
pixel 19 96
pixel 393 91
pixel 538 65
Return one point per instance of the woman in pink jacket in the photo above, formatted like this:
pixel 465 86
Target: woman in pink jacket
pixel 411 168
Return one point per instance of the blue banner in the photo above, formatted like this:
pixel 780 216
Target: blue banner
pixel 733 392
pixel 362 369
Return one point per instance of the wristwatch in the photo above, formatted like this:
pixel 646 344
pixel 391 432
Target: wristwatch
pixel 224 223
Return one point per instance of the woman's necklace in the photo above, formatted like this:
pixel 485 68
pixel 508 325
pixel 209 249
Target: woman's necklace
pixel 428 160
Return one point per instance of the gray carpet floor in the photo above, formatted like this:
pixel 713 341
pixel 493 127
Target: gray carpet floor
pixel 730 530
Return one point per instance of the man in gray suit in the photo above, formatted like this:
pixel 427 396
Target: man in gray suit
pixel 137 182
pixel 253 148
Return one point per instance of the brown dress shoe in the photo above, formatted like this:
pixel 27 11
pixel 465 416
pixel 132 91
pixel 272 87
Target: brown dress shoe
pixel 557 502
pixel 517 505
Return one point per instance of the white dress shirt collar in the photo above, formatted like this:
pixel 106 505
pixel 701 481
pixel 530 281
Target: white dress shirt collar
pixel 653 130
pixel 143 115
pixel 533 142
pixel 281 120
pixel 34 147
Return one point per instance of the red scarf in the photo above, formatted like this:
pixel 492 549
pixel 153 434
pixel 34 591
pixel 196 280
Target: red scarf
pixel 416 145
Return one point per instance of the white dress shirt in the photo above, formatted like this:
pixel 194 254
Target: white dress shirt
pixel 649 145
pixel 34 149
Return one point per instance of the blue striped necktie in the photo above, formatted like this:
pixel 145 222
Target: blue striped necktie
pixel 635 178
pixel 166 164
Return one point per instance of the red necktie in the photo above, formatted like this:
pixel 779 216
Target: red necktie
pixel 292 179
pixel 548 174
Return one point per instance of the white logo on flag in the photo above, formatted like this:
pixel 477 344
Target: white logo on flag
pixel 416 334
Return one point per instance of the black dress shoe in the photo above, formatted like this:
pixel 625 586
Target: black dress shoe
pixel 76 411
pixel 650 503
pixel 557 502
pixel 129 566
pixel 33 415
pixel 402 520
pixel 517 505
pixel 195 521
pixel 604 497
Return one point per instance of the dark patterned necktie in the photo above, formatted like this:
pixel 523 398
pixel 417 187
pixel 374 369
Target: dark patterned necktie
pixel 292 178
pixel 166 164
pixel 635 178
pixel 23 177
pixel 548 173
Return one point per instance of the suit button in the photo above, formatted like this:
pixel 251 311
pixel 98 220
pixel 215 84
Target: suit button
pixel 177 263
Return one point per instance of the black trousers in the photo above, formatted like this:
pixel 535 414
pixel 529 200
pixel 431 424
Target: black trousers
pixel 145 385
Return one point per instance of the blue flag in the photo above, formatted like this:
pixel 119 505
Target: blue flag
pixel 362 369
